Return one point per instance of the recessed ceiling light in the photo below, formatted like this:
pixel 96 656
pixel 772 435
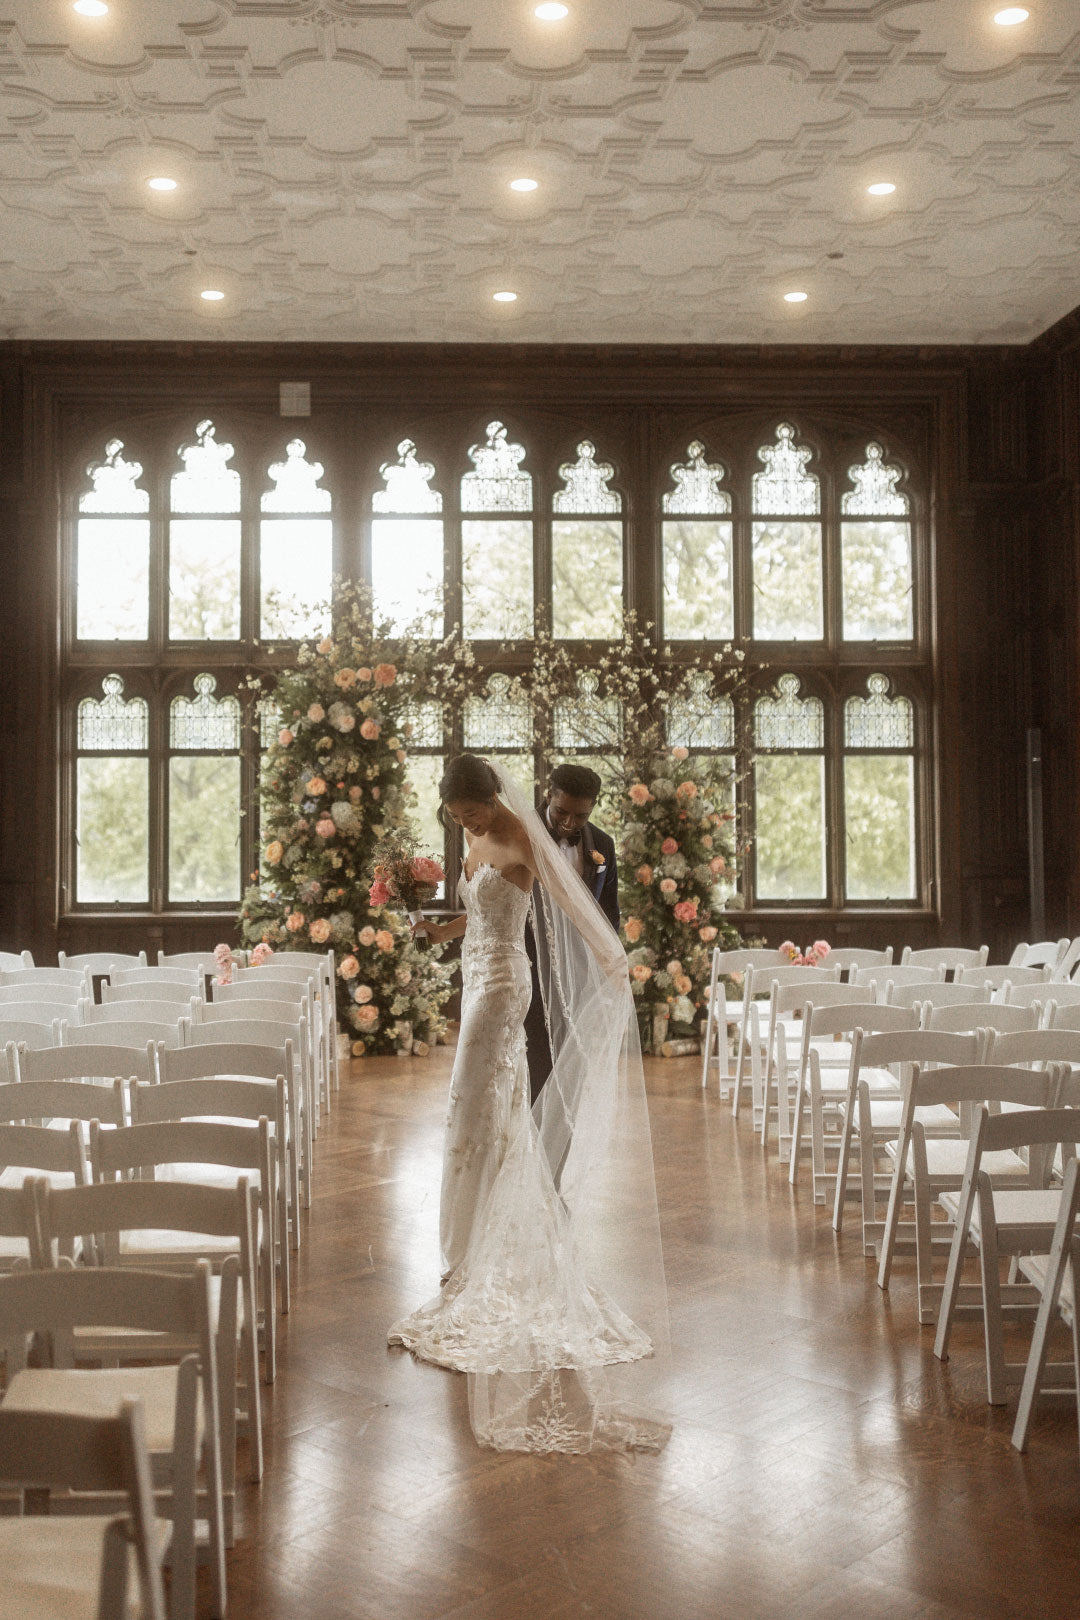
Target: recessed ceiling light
pixel 505 297
pixel 1011 16
pixel 161 182
pixel 91 8
pixel 551 11
pixel 795 297
pixel 881 188
pixel 524 184
pixel 212 295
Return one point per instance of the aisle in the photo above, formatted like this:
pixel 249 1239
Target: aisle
pixel 822 1463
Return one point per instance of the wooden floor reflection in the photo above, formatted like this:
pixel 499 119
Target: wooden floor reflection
pixel 822 1462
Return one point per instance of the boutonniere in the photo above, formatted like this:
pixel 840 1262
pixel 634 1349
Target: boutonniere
pixel 598 859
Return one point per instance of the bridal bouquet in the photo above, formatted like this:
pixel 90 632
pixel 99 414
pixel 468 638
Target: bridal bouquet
pixel 401 874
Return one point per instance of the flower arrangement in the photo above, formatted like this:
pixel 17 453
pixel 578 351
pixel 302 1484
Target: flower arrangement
pixel 401 874
pixel 334 788
pixel 813 957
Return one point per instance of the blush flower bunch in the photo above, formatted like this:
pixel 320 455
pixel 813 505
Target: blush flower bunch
pixel 813 956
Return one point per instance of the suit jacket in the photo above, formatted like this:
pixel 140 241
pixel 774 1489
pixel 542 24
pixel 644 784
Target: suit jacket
pixel 601 878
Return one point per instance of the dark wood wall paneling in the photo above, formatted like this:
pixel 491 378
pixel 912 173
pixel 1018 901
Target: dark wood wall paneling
pixel 993 432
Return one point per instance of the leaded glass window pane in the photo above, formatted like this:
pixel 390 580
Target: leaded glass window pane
pixel 588 721
pixel 875 493
pixel 407 573
pixel 785 488
pixel 700 720
pixel 877 583
pixel 788 720
pixel 788 598
pixel 789 826
pixel 587 579
pixel 296 551
pixel 408 484
pixel 699 602
pixel 204 828
pixel 112 830
pixel 204 579
pixel 586 483
pixel 697 482
pixel 424 774
pixel 113 723
pixel 423 725
pixel 270 722
pixel 112 593
pixel 879 721
pixel 207 483
pixel 497 578
pixel 502 720
pixel 204 722
pixel 879 819
pixel 497 482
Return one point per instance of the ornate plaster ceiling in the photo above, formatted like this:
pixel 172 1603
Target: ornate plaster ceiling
pixel 344 169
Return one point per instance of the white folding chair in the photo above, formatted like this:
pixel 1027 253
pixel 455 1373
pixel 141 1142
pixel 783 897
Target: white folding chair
pixel 886 982
pixel 39 1150
pixel 257 997
pixel 722 1013
pixel 141 1011
pixel 69 1306
pixel 925 997
pixel 950 957
pixel 1002 1223
pixel 298 966
pixel 789 990
pixel 40 1010
pixel 1047 953
pixel 32 1034
pixel 1001 979
pixel 69 978
pixel 851 958
pixel 15 961
pixel 19 1235
pixel 59 995
pixel 1055 1278
pixel 101 963
pixel 88 1061
pixel 69 1106
pixel 152 976
pixel 203 962
pixel 964 1016
pixel 81 1567
pixel 154 996
pixel 122 1032
pixel 1066 1015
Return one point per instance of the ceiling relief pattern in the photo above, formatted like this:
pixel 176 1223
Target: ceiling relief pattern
pixel 343 170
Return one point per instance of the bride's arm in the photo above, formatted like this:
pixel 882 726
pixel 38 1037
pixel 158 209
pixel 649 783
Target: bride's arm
pixel 438 932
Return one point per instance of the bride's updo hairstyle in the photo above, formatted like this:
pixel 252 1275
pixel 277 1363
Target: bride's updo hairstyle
pixel 467 777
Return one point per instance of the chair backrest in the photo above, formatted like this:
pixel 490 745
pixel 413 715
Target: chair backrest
pixel 998 977
pixel 764 980
pixel 142 996
pixel 950 957
pixel 67 1451
pixel 18 1215
pixel 203 962
pixel 1028 1127
pixel 126 1032
pixel 982 1083
pixel 982 1015
pixel 39 1147
pixel 15 961
pixel 917 1046
pixel 938 994
pixel 1063 992
pixel 62 1099
pixel 242 1032
pixel 850 957
pixel 89 1062
pixel 33 1035
pixel 143 1011
pixel 795 997
pixel 61 1299
pixel 1034 1046
pixel 1031 995
pixel 211 1098
pixel 223 1058
pixel 1047 953
pixel 71 978
pixel 1065 967
pixel 1065 1017
pixel 101 962
pixel 290 992
pixel 40 1012
pixel 172 1141
pixel 154 976
pixel 738 961
pixel 110 1208
pixel 56 995
pixel 898 975
pixel 244 1011
pixel 844 1019
pixel 297 964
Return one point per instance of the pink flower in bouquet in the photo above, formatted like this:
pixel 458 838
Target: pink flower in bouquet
pixel 821 948
pixel 670 846
pixel 668 885
pixel 324 645
pixel 683 984
pixel 261 954
pixel 708 933
pixel 366 935
pixel 384 939
pixel 274 851
pixel 356 794
pixel 367 1016
pixel 378 894
pixel 370 730
pixel 680 753
pixel 319 932
pixel 644 875
pixel 401 756
pixel 384 674
pixel 324 827
pixel 349 967
pixel 737 977
pixel 687 790
pixel 717 865
pixel 363 673
pixel 295 921
pixel 426 870
pixel 316 787
pixel 363 993
pixel 632 929
pixel 642 973
pixel 639 793
pixel 316 712
pixel 284 736
pixel 674 966
pixel 686 911
pixel 345 679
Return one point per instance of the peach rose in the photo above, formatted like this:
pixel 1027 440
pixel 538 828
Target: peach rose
pixel 319 932
pixel 668 885
pixel 295 921
pixel 284 736
pixel 683 984
pixel 316 712
pixel 355 795
pixel 708 934
pixel 363 674
pixel 344 679
pixel 674 966
pixel 316 787
pixel 687 790
pixel 686 911
pixel 641 973
pixel 324 827
pixel 706 840
pixel 717 865
pixel 384 939
pixel 401 756
pixel 367 1016
pixel 670 846
pixel 370 729
pixel 384 674
pixel 367 935
pixel 639 793
pixel 680 753
pixel 349 967
pixel 644 876
pixel 363 993
pixel 632 929
pixel 274 851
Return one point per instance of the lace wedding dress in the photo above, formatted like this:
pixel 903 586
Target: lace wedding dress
pixel 549 1237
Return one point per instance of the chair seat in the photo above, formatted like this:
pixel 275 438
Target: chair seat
pixel 1034 1267
pixel 1035 1207
pixel 938 1117
pixel 52 1567
pixel 882 1083
pixel 13 1250
pixel 14 1175
pixel 833 1054
pixel 99 1392
pixel 164 1241
pixel 207 1175
pixel 947 1156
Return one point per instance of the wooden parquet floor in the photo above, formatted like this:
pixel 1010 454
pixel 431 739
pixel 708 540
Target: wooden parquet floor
pixel 822 1463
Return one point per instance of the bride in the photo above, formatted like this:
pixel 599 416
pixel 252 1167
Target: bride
pixel 552 1298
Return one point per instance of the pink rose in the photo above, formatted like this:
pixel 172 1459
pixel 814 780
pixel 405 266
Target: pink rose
pixel 363 993
pixel 668 885
pixel 367 1016
pixel 717 865
pixel 316 712
pixel 384 674
pixel 632 929
pixel 641 973
pixel 370 730
pixel 687 790
pixel 378 894
pixel 788 949
pixel 295 921
pixel 324 646
pixel 708 934
pixel 363 674
pixel 384 939
pixel 274 851
pixel 425 870
pixel 821 947
pixel 344 679
pixel 319 932
pixel 367 936
pixel 324 827
pixel 680 753
pixel 639 793
pixel 356 794
pixel 349 967
pixel 669 847
pixel 683 984
pixel 674 966
pixel 644 875
pixel 686 911
pixel 284 736
pixel 261 954
pixel 316 787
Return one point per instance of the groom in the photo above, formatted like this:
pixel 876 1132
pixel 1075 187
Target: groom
pixel 565 810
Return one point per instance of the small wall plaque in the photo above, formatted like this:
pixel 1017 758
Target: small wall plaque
pixel 295 398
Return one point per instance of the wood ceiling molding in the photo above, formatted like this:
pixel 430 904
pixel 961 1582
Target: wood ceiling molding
pixel 344 171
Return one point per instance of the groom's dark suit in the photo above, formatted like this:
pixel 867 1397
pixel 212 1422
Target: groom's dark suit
pixel 601 877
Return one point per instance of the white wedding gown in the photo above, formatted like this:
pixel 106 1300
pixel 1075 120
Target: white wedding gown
pixel 517 1311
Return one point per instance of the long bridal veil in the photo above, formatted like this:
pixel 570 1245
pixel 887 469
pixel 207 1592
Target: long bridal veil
pixel 573 1329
